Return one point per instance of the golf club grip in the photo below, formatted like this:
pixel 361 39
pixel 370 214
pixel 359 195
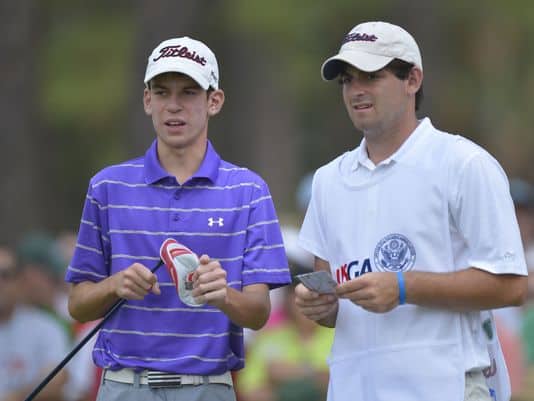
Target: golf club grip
pixel 83 341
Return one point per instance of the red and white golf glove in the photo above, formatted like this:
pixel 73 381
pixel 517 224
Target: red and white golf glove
pixel 181 263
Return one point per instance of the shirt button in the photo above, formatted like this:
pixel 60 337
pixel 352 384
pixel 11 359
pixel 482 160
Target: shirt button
pixel 177 195
pixel 176 217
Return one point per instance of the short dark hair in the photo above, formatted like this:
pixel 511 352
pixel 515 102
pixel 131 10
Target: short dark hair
pixel 208 91
pixel 401 69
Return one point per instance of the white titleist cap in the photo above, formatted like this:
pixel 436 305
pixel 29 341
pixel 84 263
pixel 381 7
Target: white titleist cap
pixel 187 56
pixel 370 47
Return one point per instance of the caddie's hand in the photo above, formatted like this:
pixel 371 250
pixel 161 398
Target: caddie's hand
pixel 135 282
pixel 209 282
pixel 313 305
pixel 376 292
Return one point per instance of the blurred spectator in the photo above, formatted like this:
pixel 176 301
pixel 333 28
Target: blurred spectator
pixel 510 320
pixel 299 260
pixel 44 261
pixel 296 257
pixel 43 269
pixel 84 375
pixel 523 196
pixel 286 360
pixel 31 342
pixel 63 247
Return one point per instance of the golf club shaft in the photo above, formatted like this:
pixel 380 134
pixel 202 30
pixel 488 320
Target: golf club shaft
pixel 69 356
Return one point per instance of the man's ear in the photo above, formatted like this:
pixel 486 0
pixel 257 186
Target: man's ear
pixel 215 102
pixel 415 80
pixel 147 97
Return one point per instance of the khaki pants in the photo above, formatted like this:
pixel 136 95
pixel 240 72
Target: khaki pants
pixel 476 388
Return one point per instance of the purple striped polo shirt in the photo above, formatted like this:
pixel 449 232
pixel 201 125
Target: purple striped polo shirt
pixel 223 211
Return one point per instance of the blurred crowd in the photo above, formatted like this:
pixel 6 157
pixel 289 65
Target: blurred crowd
pixel 36 331
pixel 515 325
pixel 286 360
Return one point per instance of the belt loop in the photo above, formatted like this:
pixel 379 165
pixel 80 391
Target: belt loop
pixel 137 379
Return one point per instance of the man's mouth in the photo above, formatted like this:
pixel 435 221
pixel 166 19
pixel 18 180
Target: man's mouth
pixel 174 123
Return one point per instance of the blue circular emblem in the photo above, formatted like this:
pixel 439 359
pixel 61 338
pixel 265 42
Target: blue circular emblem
pixel 394 253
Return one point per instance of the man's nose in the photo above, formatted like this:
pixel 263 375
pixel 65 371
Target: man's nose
pixel 174 104
pixel 356 88
pixel 358 83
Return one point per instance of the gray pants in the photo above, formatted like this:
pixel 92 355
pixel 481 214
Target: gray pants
pixel 114 391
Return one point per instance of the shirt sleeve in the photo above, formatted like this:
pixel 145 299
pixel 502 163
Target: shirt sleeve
pixel 311 236
pixel 483 211
pixel 265 260
pixel 91 254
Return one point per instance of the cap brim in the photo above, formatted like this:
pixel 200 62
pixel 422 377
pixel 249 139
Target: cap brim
pixel 181 68
pixel 367 62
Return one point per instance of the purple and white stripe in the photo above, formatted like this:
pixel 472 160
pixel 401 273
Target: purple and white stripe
pixel 223 211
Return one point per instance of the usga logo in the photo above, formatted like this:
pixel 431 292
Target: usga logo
pixel 394 253
pixel 351 270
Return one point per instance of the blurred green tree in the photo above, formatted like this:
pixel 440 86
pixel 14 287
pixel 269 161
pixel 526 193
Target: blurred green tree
pixel 74 100
pixel 22 182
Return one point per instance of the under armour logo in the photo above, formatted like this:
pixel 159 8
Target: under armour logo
pixel 212 221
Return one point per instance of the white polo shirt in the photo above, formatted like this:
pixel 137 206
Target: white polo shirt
pixel 441 203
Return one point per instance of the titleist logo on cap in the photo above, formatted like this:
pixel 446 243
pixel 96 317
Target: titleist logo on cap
pixel 363 37
pixel 180 51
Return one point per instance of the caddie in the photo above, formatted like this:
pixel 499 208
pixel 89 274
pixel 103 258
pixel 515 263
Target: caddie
pixel 418 228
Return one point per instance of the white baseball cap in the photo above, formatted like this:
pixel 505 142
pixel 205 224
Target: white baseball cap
pixel 187 56
pixel 370 46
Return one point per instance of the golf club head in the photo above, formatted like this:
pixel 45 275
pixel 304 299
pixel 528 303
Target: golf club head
pixel 181 263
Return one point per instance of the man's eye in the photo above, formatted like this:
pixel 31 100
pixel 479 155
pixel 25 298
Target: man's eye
pixel 345 79
pixel 160 92
pixel 371 76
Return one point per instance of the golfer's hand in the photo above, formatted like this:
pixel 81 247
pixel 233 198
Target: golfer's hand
pixel 376 292
pixel 136 282
pixel 313 305
pixel 209 282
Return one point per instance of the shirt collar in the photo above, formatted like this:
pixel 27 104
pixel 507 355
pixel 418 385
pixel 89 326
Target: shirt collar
pixel 361 157
pixel 154 171
pixel 209 168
